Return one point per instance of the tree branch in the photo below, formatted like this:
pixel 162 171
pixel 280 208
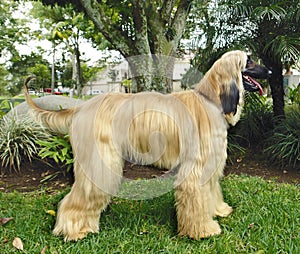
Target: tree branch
pixel 104 24
pixel 166 10
pixel 179 20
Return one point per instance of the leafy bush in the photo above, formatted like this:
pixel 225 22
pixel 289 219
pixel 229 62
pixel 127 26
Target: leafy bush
pixel 256 121
pixel 57 148
pixel 293 95
pixel 17 140
pixel 234 150
pixel 283 147
pixel 7 104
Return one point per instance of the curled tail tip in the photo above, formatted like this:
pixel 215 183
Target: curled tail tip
pixel 27 80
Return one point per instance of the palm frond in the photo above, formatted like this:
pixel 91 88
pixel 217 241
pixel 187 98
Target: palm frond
pixel 286 47
pixel 273 11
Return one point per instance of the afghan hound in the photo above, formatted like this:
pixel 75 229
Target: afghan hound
pixel 185 130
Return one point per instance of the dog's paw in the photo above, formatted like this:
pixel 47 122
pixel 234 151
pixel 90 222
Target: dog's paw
pixel 72 235
pixel 210 229
pixel 75 237
pixel 224 210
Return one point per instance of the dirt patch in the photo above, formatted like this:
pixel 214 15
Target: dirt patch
pixel 48 174
pixel 35 175
pixel 261 168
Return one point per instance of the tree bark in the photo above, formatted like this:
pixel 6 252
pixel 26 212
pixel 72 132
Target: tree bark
pixel 78 71
pixel 276 84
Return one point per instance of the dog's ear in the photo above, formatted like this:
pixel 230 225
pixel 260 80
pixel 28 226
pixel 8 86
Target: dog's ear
pixel 230 98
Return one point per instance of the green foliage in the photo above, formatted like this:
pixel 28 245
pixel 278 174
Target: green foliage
pixel 255 123
pixel 265 220
pixel 17 140
pixel 7 104
pixel 234 149
pixel 283 147
pixel 294 95
pixel 4 74
pixel 57 148
pixel 12 31
pixel 22 65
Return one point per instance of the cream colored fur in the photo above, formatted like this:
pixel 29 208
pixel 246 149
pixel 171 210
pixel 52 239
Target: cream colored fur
pixel 187 130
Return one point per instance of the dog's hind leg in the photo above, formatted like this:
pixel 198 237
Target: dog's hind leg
pixel 80 210
pixel 195 209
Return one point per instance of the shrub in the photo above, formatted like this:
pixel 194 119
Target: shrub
pixel 17 140
pixel 234 150
pixel 293 95
pixel 283 147
pixel 256 121
pixel 57 148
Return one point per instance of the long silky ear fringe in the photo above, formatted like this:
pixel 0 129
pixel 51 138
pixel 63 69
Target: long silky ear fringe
pixel 230 99
pixel 223 86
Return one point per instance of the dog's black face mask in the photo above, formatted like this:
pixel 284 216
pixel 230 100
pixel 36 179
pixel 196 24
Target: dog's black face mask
pixel 253 70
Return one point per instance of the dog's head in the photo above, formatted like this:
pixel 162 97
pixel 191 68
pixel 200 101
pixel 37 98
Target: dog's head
pixel 236 72
pixel 254 71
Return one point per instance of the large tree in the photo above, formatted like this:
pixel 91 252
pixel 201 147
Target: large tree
pixel 146 33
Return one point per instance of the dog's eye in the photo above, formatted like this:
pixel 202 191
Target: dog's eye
pixel 249 62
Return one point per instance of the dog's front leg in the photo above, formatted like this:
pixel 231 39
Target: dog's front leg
pixel 195 207
pixel 222 209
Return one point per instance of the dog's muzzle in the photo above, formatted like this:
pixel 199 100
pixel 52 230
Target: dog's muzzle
pixel 257 72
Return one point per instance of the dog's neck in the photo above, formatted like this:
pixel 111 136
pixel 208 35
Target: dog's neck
pixel 209 90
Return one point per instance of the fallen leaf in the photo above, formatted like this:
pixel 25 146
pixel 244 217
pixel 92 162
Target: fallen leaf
pixel 51 212
pixel 251 225
pixel 5 220
pixel 5 241
pixel 144 232
pixel 17 243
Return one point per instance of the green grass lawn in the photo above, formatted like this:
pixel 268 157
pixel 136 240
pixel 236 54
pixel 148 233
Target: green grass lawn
pixel 266 219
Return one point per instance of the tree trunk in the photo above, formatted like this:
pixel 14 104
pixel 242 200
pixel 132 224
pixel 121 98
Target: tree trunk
pixel 276 84
pixel 78 71
pixel 151 73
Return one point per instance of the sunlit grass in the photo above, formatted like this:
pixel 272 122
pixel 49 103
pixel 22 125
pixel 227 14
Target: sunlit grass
pixel 265 220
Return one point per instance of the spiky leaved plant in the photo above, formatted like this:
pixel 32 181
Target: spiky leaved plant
pixel 18 136
pixel 283 147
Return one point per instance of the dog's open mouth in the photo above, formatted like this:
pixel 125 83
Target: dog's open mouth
pixel 251 84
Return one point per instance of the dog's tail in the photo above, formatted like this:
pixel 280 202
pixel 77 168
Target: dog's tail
pixel 56 121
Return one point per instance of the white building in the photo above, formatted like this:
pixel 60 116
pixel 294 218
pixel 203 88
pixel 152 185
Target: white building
pixel 110 79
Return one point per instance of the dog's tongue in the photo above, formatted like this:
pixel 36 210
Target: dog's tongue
pixel 261 92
